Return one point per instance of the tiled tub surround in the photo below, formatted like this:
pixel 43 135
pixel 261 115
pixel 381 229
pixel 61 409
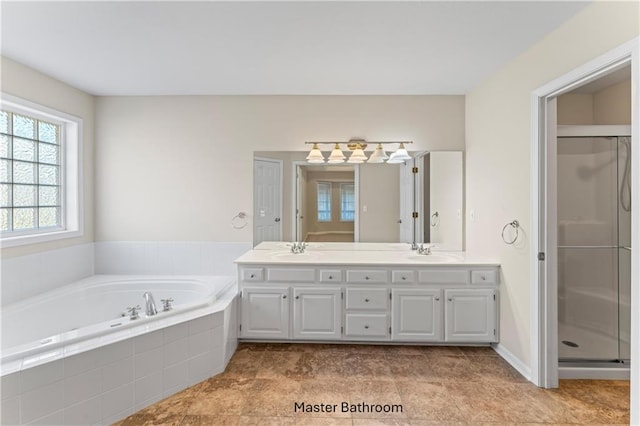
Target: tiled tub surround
pixel 86 314
pixel 133 367
pixel 104 385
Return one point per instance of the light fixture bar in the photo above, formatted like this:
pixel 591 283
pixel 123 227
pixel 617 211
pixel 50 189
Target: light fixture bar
pixel 355 141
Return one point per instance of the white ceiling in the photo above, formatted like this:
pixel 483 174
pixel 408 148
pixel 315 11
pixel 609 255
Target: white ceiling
pixel 326 47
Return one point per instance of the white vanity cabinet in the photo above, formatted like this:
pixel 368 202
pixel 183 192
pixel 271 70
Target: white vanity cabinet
pixel 265 312
pixel 417 315
pixel 317 313
pixel 410 302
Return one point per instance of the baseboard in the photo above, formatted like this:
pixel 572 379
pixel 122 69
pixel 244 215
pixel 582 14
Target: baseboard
pixel 513 360
pixel 599 373
pixel 328 233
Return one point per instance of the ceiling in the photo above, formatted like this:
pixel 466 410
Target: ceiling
pixel 266 47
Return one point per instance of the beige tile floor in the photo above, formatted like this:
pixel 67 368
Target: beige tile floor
pixel 434 385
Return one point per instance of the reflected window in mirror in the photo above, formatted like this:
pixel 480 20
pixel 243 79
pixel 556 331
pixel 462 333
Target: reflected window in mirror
pixel 324 201
pixel 347 202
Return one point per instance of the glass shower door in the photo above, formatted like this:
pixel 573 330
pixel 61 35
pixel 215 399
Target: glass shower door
pixel 588 254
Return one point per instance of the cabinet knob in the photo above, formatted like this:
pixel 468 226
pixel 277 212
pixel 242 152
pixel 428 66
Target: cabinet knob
pixel 330 277
pixel 437 299
pixel 483 277
pixel 366 278
pixel 366 300
pixel 284 296
pixel 366 326
pixel 297 297
pixel 404 278
pixel 450 300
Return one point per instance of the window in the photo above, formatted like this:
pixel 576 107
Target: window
pixel 39 173
pixel 347 202
pixel 324 202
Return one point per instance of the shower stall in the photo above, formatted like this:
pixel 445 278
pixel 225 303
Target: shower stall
pixel 594 246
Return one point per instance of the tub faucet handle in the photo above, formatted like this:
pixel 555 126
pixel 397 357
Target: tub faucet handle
pixel 166 304
pixel 133 312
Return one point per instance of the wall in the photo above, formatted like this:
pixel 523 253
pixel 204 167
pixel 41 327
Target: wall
pixel 611 105
pixel 26 83
pixel 311 197
pixel 380 194
pixel 178 168
pixel 498 151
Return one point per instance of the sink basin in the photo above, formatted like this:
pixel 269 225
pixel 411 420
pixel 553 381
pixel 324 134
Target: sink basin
pixel 435 258
pixel 296 256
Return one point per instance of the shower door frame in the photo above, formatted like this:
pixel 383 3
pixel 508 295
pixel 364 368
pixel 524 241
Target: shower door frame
pixel 544 290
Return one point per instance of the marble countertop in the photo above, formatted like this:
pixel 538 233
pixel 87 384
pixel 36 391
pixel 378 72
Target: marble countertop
pixel 358 254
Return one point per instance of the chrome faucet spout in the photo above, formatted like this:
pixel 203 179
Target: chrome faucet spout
pixel 150 304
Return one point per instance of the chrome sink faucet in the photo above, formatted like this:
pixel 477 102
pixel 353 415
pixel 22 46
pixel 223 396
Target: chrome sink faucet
pixel 425 249
pixel 297 248
pixel 150 304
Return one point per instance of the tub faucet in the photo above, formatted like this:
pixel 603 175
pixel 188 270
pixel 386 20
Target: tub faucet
pixel 150 304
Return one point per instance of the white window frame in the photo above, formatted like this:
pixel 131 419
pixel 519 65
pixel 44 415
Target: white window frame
pixel 342 184
pixel 70 173
pixel 330 201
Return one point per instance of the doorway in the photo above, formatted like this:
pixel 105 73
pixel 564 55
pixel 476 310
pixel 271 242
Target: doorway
pixel 545 351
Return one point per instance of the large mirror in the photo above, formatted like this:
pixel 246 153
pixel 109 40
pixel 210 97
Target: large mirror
pixel 418 201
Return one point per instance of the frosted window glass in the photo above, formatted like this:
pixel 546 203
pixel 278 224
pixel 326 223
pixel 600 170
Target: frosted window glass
pixel 23 172
pixel 24 218
pixel 4 122
pixel 5 174
pixel 48 175
pixel 4 220
pixel 24 149
pixel 5 195
pixel 48 216
pixel 4 146
pixel 24 195
pixel 47 132
pixel 24 126
pixel 49 195
pixel 48 153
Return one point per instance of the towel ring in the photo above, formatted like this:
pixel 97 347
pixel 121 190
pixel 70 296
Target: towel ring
pixel 434 218
pixel 515 225
pixel 239 221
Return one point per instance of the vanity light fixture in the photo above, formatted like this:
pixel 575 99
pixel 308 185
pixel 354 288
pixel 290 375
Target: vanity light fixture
pixel 315 156
pixel 358 156
pixel 336 156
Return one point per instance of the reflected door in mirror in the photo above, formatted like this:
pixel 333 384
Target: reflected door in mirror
pixel 267 200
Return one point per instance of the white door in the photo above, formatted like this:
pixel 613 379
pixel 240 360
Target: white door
pixel 265 313
pixel 405 213
pixel 316 313
pixel 267 200
pixel 416 315
pixel 470 315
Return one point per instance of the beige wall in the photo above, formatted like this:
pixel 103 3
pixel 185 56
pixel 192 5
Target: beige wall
pixel 24 82
pixel 498 133
pixel 380 193
pixel 311 196
pixel 180 167
pixel 611 105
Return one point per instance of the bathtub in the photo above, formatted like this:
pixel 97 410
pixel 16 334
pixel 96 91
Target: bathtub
pixel 78 348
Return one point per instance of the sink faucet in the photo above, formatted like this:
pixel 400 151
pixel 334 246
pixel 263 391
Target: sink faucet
pixel 150 304
pixel 425 249
pixel 297 248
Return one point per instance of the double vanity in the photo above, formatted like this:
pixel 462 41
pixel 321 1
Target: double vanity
pixel 371 292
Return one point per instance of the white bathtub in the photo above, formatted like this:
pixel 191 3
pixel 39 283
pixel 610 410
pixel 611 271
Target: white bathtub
pixel 69 357
pixel 79 316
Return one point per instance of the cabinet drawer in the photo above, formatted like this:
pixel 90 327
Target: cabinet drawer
pixel 484 277
pixel 366 277
pixel 443 277
pixel 252 274
pixel 367 298
pixel 367 325
pixel 403 277
pixel 330 276
pixel 298 275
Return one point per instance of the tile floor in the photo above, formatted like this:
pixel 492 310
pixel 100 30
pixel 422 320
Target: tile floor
pixel 434 385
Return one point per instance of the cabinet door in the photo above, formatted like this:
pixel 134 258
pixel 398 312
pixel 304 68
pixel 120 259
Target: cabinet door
pixel 265 313
pixel 316 313
pixel 470 315
pixel 416 315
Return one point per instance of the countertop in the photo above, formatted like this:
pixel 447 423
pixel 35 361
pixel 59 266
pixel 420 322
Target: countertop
pixel 357 254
